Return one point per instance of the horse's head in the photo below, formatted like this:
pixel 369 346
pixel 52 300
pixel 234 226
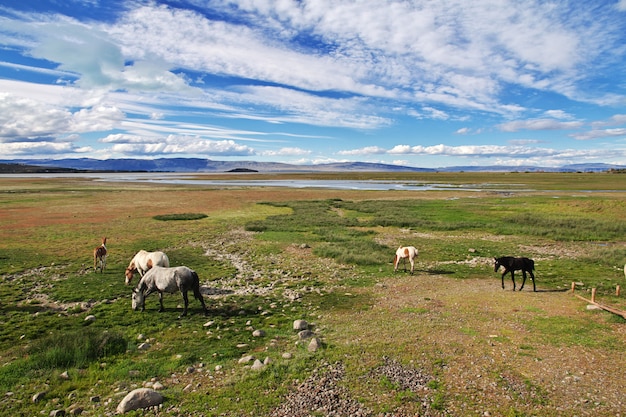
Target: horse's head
pixel 138 300
pixel 129 275
pixel 496 265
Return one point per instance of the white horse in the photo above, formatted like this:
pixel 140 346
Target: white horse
pixel 169 280
pixel 405 252
pixel 100 256
pixel 143 261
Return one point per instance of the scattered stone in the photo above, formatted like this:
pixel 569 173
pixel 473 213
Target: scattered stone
pixel 208 323
pixel 315 344
pixel 323 394
pixel 191 370
pixel 287 355
pixel 257 365
pixel 157 386
pixel 143 346
pixel 65 375
pixel 267 360
pixel 76 411
pixel 38 397
pixel 258 333
pixel 305 334
pixel 246 359
pixel 57 413
pixel 300 325
pixel 90 318
pixel 140 336
pixel 138 399
pixel 95 399
pixel 304 246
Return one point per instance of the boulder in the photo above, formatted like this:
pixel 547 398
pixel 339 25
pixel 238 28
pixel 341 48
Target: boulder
pixel 300 325
pixel 139 398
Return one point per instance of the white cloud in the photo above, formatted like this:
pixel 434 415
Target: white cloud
pixel 514 155
pixel 538 124
pixel 173 144
pixel 601 133
pixel 287 152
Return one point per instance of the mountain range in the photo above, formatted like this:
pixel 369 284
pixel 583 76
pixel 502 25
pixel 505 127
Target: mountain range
pixel 210 166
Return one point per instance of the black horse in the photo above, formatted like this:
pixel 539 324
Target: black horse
pixel 512 264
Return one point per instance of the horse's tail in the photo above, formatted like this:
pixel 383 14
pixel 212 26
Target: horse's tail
pixel 196 279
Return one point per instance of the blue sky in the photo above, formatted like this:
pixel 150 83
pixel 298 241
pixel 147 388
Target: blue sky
pixel 418 83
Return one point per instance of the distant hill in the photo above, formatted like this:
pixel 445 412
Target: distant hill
pixel 208 165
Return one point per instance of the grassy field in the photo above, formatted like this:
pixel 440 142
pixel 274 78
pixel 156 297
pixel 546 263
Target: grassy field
pixel 269 256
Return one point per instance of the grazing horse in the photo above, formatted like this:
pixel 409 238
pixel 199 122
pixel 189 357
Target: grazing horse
pixel 512 264
pixel 160 279
pixel 100 256
pixel 405 252
pixel 143 261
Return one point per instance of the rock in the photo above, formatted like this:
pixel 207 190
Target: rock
pixel 315 344
pixel 157 386
pixel 258 333
pixel 57 413
pixel 76 411
pixel 305 334
pixel 287 355
pixel 38 397
pixel 65 375
pixel 139 398
pixel 144 346
pixel 300 325
pixel 246 359
pixel 90 318
pixel 257 365
pixel 267 360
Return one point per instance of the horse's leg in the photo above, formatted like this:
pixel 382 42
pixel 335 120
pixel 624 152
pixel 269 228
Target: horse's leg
pixel 186 300
pixel 524 280
pixel 532 276
pixel 161 301
pixel 198 295
pixel 513 278
pixel 412 265
pixel 503 274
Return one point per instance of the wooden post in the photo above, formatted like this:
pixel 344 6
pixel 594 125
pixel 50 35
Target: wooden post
pixel 617 291
pixel 593 295
pixel 573 286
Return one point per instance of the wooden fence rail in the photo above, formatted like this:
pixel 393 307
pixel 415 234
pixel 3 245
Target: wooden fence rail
pixel 610 309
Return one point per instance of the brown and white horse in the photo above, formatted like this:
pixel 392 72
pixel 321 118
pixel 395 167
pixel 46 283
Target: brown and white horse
pixel 405 252
pixel 100 256
pixel 143 262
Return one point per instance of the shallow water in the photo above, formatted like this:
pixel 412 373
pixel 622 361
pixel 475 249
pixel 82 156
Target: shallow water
pixel 192 179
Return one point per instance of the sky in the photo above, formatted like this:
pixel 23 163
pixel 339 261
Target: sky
pixel 419 83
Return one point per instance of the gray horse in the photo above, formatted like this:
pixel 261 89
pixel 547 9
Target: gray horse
pixel 160 279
